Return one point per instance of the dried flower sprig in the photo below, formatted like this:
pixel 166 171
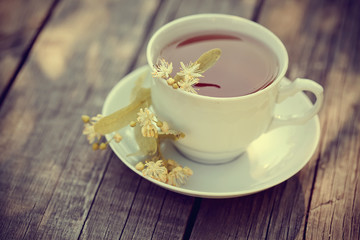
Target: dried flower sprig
pixel 189 75
pixel 149 131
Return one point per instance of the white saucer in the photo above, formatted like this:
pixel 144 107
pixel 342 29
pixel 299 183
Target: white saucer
pixel 270 160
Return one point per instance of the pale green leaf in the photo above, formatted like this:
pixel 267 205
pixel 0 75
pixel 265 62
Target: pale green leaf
pixel 208 59
pixel 124 116
pixel 147 145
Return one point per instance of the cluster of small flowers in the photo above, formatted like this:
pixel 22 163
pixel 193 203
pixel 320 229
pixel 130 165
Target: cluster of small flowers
pixel 171 173
pixel 188 75
pixel 93 137
pixel 150 125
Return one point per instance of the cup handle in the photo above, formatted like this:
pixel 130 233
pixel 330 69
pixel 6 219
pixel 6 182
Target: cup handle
pixel 300 84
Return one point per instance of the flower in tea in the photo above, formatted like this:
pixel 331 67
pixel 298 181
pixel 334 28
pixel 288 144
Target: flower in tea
pixel 190 71
pixel 163 69
pixel 189 74
pixel 187 84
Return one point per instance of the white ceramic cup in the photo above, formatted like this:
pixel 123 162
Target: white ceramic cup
pixel 220 129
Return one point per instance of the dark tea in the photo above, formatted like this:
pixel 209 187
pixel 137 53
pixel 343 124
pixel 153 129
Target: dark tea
pixel 245 66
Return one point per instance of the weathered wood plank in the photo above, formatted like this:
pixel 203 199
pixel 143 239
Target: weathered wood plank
pixel 19 24
pixel 311 39
pixel 324 49
pixel 154 212
pixel 252 217
pixel 48 174
pixel 128 207
pixel 335 207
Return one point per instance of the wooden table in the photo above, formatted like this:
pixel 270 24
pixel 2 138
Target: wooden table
pixel 59 59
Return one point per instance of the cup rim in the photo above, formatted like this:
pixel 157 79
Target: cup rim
pixel 169 25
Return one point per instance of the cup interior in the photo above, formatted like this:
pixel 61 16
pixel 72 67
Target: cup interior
pixel 193 24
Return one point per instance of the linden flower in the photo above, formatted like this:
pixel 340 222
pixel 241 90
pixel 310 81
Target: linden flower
pixel 155 170
pixel 146 118
pixel 187 84
pixel 89 128
pixel 162 69
pixel 190 71
pixel 90 132
pixel 179 176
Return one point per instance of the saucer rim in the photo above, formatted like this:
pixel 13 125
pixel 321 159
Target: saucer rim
pixel 195 193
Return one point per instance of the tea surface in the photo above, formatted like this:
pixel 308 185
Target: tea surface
pixel 245 66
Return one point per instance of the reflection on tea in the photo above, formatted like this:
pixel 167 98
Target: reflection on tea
pixel 245 66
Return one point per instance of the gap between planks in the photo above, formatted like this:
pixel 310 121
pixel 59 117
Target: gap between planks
pixel 27 51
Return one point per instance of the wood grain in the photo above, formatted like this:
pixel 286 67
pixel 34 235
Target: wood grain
pixel 53 186
pixel 53 173
pixel 20 21
pixel 127 207
pixel 311 40
pixel 334 210
pixel 260 216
